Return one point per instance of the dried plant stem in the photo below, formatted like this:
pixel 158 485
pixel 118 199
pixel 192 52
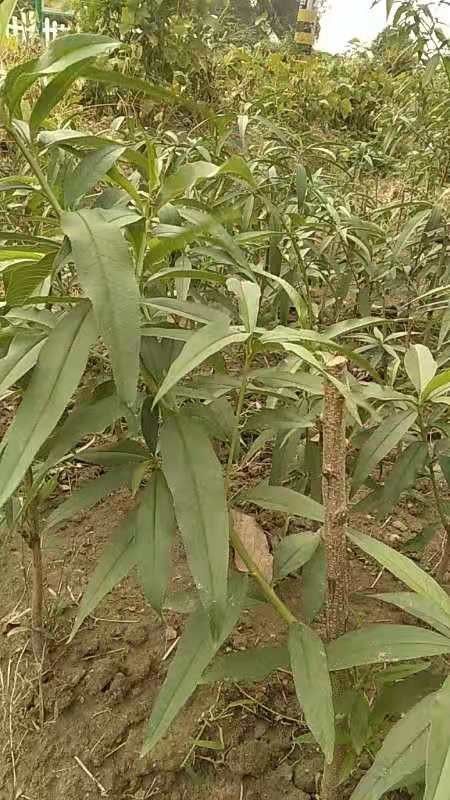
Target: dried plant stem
pixel 33 538
pixel 334 534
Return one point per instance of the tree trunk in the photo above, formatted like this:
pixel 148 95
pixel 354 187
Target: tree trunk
pixel 334 534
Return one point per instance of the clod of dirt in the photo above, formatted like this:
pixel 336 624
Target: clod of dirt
pixel 119 687
pixel 277 785
pixel 137 635
pixel 307 772
pixel 224 787
pixel 254 540
pixel 249 758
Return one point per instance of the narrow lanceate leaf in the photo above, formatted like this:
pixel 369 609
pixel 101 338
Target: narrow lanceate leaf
pixel 105 270
pixel 437 772
pixel 421 607
pixel 381 644
pixel 402 476
pixel 437 386
pixel 194 476
pixel 87 419
pixel 89 171
pixel 88 494
pixel 21 357
pixel 61 364
pixel 195 650
pixel 380 443
pixel 53 93
pixel 248 295
pixel 201 345
pixel 116 561
pixel 403 568
pixel 313 685
pixel 126 451
pixel 314 584
pixel 293 552
pixel 150 424
pixel 155 529
pixel 402 754
pixel 248 666
pixel 280 498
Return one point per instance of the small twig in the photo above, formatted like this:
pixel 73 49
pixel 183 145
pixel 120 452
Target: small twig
pixel 111 752
pixel 102 789
pixel 170 649
pixel 372 586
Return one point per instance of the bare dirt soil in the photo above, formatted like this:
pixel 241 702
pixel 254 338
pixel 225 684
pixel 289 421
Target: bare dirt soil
pixel 76 731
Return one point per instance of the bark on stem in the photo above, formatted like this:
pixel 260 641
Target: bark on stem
pixel 334 534
pixel 37 599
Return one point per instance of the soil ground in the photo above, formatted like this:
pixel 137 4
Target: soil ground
pixel 76 732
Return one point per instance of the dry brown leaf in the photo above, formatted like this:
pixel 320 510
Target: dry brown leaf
pixel 255 541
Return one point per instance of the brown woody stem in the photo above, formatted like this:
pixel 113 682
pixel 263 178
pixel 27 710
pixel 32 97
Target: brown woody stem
pixel 334 535
pixel 33 538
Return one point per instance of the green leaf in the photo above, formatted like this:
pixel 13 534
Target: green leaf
pixel 402 753
pixel 395 698
pixel 380 443
pixel 301 185
pixel 420 366
pixel 421 607
pixel 445 325
pixel 280 498
pixel 199 312
pixel 184 179
pixel 439 384
pixel 89 494
pixel 119 79
pixel 278 419
pixel 314 584
pixel 313 685
pixel 403 568
pixel 380 644
pixel 247 666
pixel 188 175
pixel 6 11
pixel 407 235
pixel 359 722
pixel 249 296
pixel 23 278
pixel 349 325
pixel 89 171
pixel 195 650
pixel 70 49
pixel 126 451
pixel 22 355
pixel 294 296
pixel 106 273
pixel 402 476
pixel 194 476
pixel 437 771
pixel 444 463
pixel 293 552
pixel 53 93
pixel 217 417
pixel 87 419
pixel 279 378
pixel 202 344
pixel 155 530
pixel 116 561
pixel 61 363
pixel 150 424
